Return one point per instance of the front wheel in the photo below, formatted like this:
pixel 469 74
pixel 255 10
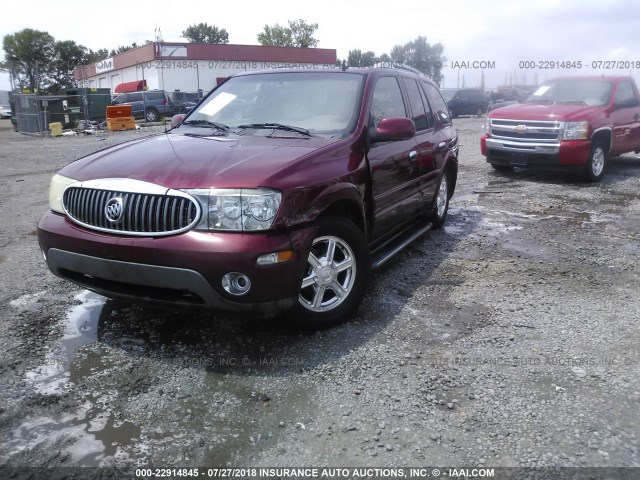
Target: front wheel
pixel 439 215
pixel 335 276
pixel 595 167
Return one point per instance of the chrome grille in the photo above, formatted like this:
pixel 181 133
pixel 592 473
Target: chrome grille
pixel 142 213
pixel 526 130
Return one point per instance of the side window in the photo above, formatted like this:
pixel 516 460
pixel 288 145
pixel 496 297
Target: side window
pixel 437 102
pixel 625 92
pixel 134 97
pixel 418 110
pixel 154 95
pixel 462 96
pixel 387 100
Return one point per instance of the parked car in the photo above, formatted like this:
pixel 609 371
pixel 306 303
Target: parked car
pixel 569 124
pixel 465 101
pixel 148 104
pixel 5 111
pixel 508 97
pixel 183 102
pixel 280 191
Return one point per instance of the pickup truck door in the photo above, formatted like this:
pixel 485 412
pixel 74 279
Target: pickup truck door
pixel 626 119
pixel 395 182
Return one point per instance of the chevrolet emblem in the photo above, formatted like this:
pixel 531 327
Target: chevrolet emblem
pixel 521 129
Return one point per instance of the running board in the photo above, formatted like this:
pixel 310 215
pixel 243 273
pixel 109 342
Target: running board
pixel 385 255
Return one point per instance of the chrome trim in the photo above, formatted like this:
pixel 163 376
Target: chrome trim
pixel 524 147
pixel 114 186
pixel 610 129
pixel 516 128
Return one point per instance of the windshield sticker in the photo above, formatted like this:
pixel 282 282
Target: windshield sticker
pixel 541 91
pixel 217 104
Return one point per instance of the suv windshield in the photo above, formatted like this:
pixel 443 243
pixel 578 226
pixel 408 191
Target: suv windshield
pixel 573 90
pixel 320 103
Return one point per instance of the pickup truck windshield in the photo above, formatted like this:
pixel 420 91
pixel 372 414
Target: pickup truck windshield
pixel 322 103
pixel 578 91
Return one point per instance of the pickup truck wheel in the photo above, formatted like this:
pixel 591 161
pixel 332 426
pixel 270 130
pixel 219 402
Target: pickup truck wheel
pixel 439 215
pixel 151 115
pixel 594 169
pixel 335 276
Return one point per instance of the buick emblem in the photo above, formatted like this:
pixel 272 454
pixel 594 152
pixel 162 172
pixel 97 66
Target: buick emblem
pixel 521 129
pixel 113 209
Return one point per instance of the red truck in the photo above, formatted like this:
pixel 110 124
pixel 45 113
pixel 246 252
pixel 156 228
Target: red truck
pixel 571 124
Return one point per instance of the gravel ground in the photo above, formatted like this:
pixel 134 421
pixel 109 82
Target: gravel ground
pixel 510 338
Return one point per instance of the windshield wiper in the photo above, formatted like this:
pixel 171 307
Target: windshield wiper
pixel 277 126
pixel 207 123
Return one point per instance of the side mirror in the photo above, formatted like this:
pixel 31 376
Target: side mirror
pixel 177 119
pixel 629 103
pixel 391 129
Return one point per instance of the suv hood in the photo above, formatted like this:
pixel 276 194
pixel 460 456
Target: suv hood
pixel 541 111
pixel 180 161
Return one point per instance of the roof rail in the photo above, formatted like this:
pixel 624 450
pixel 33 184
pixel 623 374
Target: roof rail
pixel 400 66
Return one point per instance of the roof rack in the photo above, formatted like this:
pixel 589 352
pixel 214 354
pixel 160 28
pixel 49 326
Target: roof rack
pixel 400 66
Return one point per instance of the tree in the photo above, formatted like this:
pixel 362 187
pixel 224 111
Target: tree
pixel 67 55
pixel 298 34
pixel 358 59
pixel 302 33
pixel 422 56
pixel 205 33
pixel 29 53
pixel 122 49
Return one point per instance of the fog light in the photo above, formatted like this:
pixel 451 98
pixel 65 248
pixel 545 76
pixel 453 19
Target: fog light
pixel 236 283
pixel 276 257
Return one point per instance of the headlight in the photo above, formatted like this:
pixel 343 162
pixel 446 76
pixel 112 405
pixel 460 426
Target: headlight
pixel 576 131
pixel 56 189
pixel 487 125
pixel 239 210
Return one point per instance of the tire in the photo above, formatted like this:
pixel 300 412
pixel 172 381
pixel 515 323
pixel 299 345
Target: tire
pixel 336 275
pixel 151 115
pixel 502 168
pixel 597 163
pixel 441 207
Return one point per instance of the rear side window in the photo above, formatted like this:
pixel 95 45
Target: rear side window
pixel 155 95
pixel 387 100
pixel 418 109
pixel 437 102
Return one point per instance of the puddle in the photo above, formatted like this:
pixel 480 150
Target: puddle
pixel 91 434
pixel 80 328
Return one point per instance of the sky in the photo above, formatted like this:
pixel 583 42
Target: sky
pixel 515 41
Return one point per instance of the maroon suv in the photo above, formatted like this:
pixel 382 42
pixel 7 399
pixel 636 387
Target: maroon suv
pixel 281 190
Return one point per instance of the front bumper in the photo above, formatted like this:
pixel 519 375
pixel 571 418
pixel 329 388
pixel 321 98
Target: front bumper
pixel 564 155
pixel 185 269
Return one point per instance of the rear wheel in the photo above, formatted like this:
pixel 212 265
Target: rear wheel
pixel 151 115
pixel 439 215
pixel 595 167
pixel 335 277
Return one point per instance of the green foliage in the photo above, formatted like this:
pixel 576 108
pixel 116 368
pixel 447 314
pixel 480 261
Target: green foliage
pixel 298 34
pixel 29 53
pixel 67 55
pixel 205 33
pixel 357 58
pixel 422 56
pixel 418 54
